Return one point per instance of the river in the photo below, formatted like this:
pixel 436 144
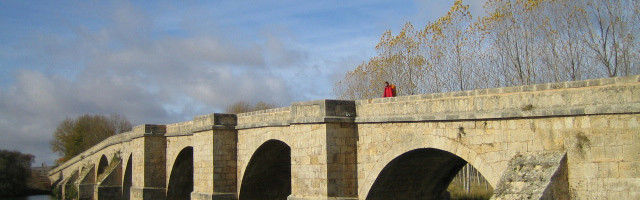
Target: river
pixel 32 197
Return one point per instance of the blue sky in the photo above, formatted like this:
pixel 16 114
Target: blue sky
pixel 159 62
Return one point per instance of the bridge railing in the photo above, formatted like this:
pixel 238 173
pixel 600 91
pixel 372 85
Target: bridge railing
pixel 579 98
pixel 261 118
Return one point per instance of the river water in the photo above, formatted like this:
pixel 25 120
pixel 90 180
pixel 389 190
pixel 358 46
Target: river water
pixel 32 197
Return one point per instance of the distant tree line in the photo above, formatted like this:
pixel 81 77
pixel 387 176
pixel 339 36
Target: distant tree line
pixel 73 136
pixel 518 42
pixel 15 170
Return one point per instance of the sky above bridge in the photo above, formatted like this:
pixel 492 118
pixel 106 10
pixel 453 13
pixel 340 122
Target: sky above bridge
pixel 159 62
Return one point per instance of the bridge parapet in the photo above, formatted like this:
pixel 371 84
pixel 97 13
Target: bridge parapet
pixel 202 123
pixel 318 111
pixel 598 96
pixel 263 118
pixel 138 131
pixel 322 111
pixel 181 128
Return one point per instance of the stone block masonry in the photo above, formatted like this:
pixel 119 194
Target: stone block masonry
pixel 571 140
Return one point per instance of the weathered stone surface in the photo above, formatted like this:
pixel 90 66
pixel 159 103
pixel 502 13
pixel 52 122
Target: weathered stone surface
pixel 539 175
pixel 578 140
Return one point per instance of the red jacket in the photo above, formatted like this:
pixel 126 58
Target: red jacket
pixel 388 91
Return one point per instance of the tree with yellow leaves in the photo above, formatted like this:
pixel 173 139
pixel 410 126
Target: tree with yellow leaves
pixel 511 29
pixel 453 51
pixel 399 61
pixel 518 42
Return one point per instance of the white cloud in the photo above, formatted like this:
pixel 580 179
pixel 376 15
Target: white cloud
pixel 32 108
pixel 147 79
pixel 162 62
pixel 281 48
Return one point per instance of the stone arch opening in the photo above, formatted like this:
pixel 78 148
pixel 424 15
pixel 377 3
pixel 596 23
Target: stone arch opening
pixel 181 179
pixel 109 179
pixel 87 175
pixel 268 174
pixel 56 187
pixel 87 182
pixel 423 173
pixel 127 180
pixel 70 189
pixel 102 164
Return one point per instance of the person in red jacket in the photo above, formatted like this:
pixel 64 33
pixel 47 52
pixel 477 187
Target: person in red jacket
pixel 389 90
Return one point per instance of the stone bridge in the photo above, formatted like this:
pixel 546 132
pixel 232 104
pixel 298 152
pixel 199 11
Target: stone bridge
pixel 570 140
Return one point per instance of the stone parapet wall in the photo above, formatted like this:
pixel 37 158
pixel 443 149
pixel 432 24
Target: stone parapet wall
pixel 263 118
pixel 137 132
pixel 598 96
pixel 202 123
pixel 321 111
pixel 318 111
pixel 179 129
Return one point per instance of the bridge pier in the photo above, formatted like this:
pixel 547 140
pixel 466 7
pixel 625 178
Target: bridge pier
pixel 219 196
pixel 215 147
pixel 321 171
pixel 86 190
pixel 68 187
pixel 324 153
pixel 148 193
pixel 149 171
pixel 108 192
pixel 87 184
pixel 109 185
pixel 337 163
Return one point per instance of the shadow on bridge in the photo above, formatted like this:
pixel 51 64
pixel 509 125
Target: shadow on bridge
pixel 181 179
pixel 418 174
pixel 268 175
pixel 127 181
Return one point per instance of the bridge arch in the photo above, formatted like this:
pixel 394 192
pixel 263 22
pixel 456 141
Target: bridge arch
pixel 416 174
pixel 127 179
pixel 102 165
pixel 181 176
pixel 87 178
pixel 69 186
pixel 56 185
pixel 268 173
pixel 109 178
pixel 415 150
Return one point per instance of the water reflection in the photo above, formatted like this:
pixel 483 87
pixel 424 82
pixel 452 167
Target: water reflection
pixel 32 197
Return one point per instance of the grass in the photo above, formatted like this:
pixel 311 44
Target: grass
pixel 478 191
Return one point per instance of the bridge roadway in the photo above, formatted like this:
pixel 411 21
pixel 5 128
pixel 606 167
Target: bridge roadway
pixel 570 140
